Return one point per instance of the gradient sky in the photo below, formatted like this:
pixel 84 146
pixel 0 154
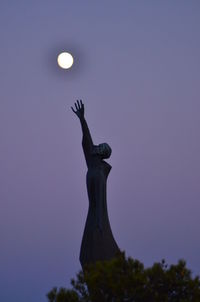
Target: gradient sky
pixel 137 69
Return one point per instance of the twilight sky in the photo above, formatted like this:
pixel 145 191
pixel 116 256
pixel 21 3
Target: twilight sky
pixel 137 69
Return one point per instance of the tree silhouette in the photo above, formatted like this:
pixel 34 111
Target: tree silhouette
pixel 126 280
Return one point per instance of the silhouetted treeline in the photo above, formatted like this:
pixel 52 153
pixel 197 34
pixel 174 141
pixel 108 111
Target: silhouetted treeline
pixel 126 280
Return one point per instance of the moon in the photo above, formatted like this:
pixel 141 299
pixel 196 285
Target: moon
pixel 65 60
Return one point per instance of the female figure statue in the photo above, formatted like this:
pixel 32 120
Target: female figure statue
pixel 98 242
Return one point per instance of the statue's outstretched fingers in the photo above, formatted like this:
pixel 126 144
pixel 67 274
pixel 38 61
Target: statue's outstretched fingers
pixel 73 110
pixel 79 106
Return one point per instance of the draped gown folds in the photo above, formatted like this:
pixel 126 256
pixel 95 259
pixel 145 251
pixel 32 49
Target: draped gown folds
pixel 98 242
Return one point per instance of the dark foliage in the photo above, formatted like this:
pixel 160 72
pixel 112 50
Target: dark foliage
pixel 126 280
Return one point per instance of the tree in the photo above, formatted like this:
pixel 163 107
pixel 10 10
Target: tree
pixel 126 280
pixel 63 295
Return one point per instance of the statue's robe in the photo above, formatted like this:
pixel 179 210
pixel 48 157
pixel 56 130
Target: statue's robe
pixel 98 242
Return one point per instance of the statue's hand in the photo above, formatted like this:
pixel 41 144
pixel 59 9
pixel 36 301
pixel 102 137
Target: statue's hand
pixel 79 109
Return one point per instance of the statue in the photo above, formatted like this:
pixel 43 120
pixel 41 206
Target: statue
pixel 98 242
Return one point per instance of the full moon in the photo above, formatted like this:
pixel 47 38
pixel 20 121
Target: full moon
pixel 65 60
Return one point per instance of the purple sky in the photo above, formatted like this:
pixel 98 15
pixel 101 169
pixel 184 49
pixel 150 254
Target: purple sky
pixel 137 69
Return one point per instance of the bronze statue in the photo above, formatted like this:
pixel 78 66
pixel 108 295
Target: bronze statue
pixel 98 242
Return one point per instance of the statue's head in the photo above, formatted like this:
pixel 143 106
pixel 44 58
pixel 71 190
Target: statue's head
pixel 103 150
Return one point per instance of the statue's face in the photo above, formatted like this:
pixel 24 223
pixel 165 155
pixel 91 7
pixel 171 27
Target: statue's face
pixel 103 150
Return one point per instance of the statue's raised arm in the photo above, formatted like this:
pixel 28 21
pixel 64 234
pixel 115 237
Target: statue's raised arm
pixel 87 139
